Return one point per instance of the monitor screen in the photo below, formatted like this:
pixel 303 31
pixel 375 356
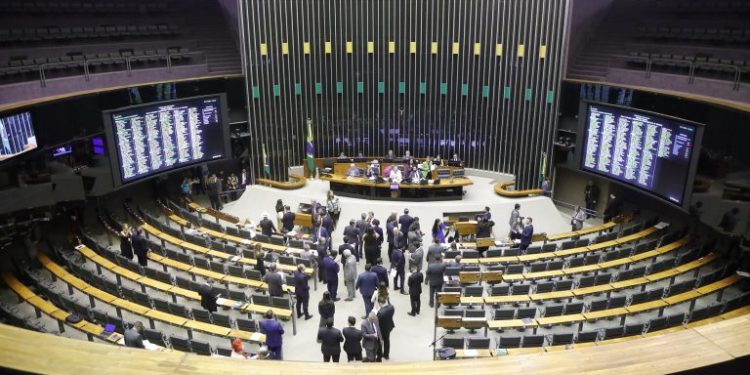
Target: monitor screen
pixel 653 152
pixel 62 150
pixel 97 145
pixel 159 137
pixel 16 135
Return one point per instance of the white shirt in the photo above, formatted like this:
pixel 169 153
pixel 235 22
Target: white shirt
pixel 396 175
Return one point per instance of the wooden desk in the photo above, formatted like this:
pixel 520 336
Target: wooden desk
pixel 562 319
pixel 295 182
pixel 511 324
pixel 359 187
pixel 502 190
pixel 473 353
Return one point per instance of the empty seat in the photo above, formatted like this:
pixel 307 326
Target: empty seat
pixel 247 325
pixel 499 290
pixel 675 319
pixel 154 336
pixel 574 308
pixel 563 285
pixel 473 291
pixel 180 343
pixel 502 314
pixel 223 351
pixel 478 343
pixel 555 265
pixel 217 267
pixel 598 305
pixel 509 342
pixel 520 289
pixel 202 315
pixel 616 302
pixel 553 310
pixel 575 262
pixel 587 336
pixel 221 320
pixel 200 347
pixel 613 333
pixel 545 287
pixel 657 324
pixel 634 329
pixel 161 304
pixel 514 269
pixel 179 310
pixel 453 342
pixel 526 313
pixel 562 339
pixel 533 341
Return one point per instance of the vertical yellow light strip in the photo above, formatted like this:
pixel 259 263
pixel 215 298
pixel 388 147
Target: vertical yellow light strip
pixel 284 48
pixel 413 48
pixel 542 52
pixel 477 49
pixel 521 51
pixel 327 47
pixel 456 48
pixel 370 47
pixel 306 48
pixel 263 49
pixel 499 49
pixel 349 47
pixel 391 47
pixel 434 48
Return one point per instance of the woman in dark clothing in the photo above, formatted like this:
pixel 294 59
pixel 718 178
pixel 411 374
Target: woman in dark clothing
pixel 126 247
pixel 260 266
pixel 326 308
pixel 372 250
pixel 279 206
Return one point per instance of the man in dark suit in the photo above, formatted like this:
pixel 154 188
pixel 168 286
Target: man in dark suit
pixel 302 292
pixel 376 227
pixel 385 320
pixel 274 332
pixel 140 247
pixel 328 223
pixel 352 234
pixel 415 290
pixel 527 233
pixel 380 271
pixel 331 277
pixel 371 337
pixel 435 273
pixel 287 220
pixel 390 224
pixel 591 196
pixel 322 248
pixel 353 342
pixel 275 281
pixel 330 340
pixel 398 262
pixel 613 209
pixel 405 221
pixel 367 284
pixel 345 246
pixel 208 297
pixel 266 225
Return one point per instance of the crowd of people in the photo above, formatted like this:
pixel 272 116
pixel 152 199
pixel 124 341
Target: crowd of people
pixel 217 187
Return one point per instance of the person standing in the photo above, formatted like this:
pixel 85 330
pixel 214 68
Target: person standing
pixel 434 251
pixel 350 274
pixel 362 227
pixel 547 187
pixel 371 337
pixel 390 225
pixel 435 273
pixel 399 240
pixel 302 292
pixel 367 284
pixel 591 197
pixel 208 296
pixel 326 309
pixel 613 209
pixel 213 187
pixel 415 290
pixel 287 220
pixel 527 233
pixel 330 340
pixel 438 230
pixel 322 249
pixel 378 231
pixel 126 247
pixel 416 257
pixel 405 221
pixel 266 225
pixel 398 263
pixel 331 277
pixel 260 263
pixel 579 216
pixel 333 206
pixel 370 243
pixel 327 223
pixel 379 270
pixel 140 247
pixel 274 332
pixel 274 281
pixel 514 216
pixel 352 234
pixel 353 341
pixel 385 320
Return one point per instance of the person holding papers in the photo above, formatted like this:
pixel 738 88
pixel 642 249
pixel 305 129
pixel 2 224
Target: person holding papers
pixel 396 176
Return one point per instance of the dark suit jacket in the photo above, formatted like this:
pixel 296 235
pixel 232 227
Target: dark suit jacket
pixel 301 287
pixel 208 298
pixel 288 220
pixel 352 233
pixel 397 260
pixel 528 232
pixel 275 283
pixel 484 229
pixel 267 227
pixel 435 273
pixel 381 272
pixel 133 339
pixel 379 231
pixel 353 343
pixel 327 222
pixel 140 245
pixel 415 283
pixel 330 270
pixel 405 221
pixel 330 340
pixel 385 318
pixel 273 331
pixel 367 283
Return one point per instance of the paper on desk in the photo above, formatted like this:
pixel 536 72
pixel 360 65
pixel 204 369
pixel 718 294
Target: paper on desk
pixel 235 258
pixel 256 336
pixel 471 353
pixel 150 346
pixel 220 301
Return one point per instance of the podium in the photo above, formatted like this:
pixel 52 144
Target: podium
pixel 485 242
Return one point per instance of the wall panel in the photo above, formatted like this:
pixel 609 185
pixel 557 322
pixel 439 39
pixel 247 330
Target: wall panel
pixel 371 92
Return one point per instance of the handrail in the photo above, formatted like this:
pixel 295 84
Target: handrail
pixel 299 181
pixel 691 65
pixel 500 189
pixel 128 60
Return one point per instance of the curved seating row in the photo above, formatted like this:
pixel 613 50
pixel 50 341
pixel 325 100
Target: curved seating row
pixel 43 306
pixel 296 182
pixel 146 312
pixel 105 263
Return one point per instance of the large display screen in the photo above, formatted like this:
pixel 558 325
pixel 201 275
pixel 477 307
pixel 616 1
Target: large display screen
pixel 653 152
pixel 159 137
pixel 16 135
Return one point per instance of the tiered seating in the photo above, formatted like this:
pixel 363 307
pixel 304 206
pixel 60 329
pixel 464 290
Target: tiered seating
pixel 87 33
pixel 86 7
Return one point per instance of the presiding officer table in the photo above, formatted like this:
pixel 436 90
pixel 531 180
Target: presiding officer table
pixel 362 187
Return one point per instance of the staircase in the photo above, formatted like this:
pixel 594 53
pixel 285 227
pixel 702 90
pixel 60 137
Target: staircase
pixel 213 37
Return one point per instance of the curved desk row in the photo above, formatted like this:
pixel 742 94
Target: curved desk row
pixel 501 190
pixel 361 187
pixel 296 183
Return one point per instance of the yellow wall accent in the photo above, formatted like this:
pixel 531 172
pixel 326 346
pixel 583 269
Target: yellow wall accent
pixel 521 51
pixel 327 47
pixel 284 48
pixel 370 47
pixel 306 48
pixel 391 47
pixel 263 49
pixel 456 48
pixel 413 47
pixel 542 51
pixel 434 48
pixel 499 49
pixel 349 47
pixel 477 49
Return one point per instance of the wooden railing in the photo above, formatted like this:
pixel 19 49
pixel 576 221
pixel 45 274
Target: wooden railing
pixel 296 183
pixel 501 189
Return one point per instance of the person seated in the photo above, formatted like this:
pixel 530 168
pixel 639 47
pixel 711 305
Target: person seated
pixel 373 171
pixel 342 155
pixel 390 155
pixel 407 154
pixel 455 158
pixel 425 167
pixel 353 171
pixel 396 176
pixel 415 175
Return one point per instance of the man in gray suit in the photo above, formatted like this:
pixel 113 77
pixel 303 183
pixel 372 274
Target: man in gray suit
pixel 350 274
pixel 514 215
pixel 435 272
pixel 275 281
pixel 371 337
pixel 134 336
pixel 416 257
pixel 362 226
pixel 435 250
